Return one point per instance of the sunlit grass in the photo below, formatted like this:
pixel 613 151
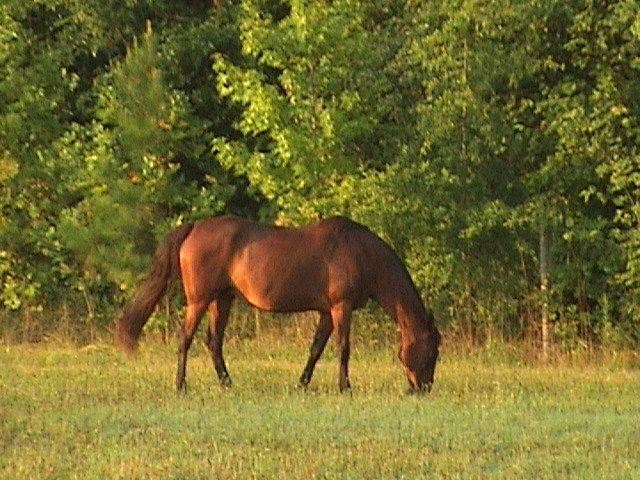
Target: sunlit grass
pixel 91 412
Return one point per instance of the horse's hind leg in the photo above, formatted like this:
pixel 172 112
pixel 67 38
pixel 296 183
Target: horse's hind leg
pixel 191 320
pixel 341 318
pixel 323 332
pixel 218 317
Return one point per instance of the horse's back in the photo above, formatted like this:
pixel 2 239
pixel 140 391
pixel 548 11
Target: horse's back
pixel 281 268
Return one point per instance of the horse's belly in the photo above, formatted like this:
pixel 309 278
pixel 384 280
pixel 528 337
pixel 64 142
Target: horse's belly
pixel 277 299
pixel 278 293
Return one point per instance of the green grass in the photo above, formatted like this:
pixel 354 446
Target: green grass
pixel 69 412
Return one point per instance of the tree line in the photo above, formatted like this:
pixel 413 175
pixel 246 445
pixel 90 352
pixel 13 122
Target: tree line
pixel 494 145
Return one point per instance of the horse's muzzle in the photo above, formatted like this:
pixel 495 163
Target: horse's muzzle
pixel 420 389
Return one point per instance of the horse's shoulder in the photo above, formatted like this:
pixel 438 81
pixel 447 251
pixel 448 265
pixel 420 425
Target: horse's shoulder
pixel 346 233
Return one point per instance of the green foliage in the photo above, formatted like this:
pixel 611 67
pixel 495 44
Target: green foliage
pixel 98 167
pixel 456 130
pixel 316 93
pixel 138 103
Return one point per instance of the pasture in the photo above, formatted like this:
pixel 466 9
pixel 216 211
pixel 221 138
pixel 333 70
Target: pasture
pixel 91 412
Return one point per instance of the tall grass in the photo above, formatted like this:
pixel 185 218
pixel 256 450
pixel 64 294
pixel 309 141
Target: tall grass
pixel 370 327
pixel 89 412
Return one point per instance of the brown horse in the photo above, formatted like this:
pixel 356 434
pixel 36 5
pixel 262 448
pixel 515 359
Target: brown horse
pixel 333 266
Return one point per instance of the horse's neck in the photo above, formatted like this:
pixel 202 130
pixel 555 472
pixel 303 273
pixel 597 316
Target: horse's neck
pixel 401 301
pixel 412 320
pixel 396 292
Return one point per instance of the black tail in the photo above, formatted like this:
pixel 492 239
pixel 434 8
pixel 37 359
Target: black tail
pixel 165 269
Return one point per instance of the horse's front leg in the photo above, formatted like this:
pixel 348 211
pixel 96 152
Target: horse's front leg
pixel 191 320
pixel 341 318
pixel 218 317
pixel 323 332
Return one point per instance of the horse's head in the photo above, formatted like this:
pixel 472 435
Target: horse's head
pixel 419 359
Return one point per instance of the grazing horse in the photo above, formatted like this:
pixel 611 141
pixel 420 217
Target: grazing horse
pixel 333 266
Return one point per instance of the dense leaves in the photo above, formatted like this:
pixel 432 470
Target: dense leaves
pixel 457 131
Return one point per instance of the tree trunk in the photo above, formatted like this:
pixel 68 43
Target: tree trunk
pixel 544 291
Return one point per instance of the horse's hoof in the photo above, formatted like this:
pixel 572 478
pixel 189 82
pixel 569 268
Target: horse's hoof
pixel 181 389
pixel 346 389
pixel 417 391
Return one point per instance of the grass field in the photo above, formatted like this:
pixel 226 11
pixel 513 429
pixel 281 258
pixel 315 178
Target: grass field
pixel 90 412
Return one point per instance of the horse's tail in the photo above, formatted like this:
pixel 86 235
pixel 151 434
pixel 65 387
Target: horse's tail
pixel 164 270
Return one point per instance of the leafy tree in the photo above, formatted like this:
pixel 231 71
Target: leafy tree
pixel 317 97
pixel 589 112
pixel 136 185
pixel 100 152
pixel 461 132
